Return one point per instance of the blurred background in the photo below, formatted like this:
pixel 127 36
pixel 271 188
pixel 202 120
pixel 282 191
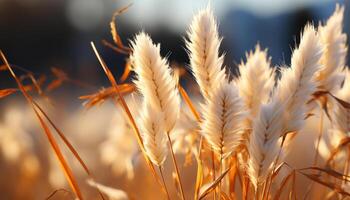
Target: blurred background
pixel 38 35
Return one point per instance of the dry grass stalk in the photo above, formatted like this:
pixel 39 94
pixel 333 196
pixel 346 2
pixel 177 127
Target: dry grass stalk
pixel 41 115
pixel 65 167
pixel 189 103
pixel 7 92
pixel 116 38
pixel 106 93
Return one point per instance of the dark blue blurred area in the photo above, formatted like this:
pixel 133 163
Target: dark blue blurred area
pixel 41 37
pixel 280 33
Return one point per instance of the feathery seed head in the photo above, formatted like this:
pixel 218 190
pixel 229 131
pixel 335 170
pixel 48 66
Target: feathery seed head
pixel 203 44
pixel 153 134
pixel 333 58
pixel 155 80
pixel 223 116
pixel 286 110
pixel 297 83
pixel 256 79
pixel 263 145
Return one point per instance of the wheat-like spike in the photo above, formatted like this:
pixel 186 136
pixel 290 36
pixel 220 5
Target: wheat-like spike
pixel 341 119
pixel 297 83
pixel 153 134
pixel 263 144
pixel 203 44
pixel 256 79
pixel 333 58
pixel 223 116
pixel 154 79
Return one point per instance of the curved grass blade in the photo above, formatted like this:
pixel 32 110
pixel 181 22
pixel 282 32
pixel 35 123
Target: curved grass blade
pixel 283 184
pixel 199 178
pixel 66 169
pixel 114 31
pixel 206 189
pixel 344 142
pixel 330 185
pixel 7 92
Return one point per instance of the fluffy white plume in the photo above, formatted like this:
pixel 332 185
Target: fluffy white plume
pixel 203 44
pixel 223 116
pixel 297 83
pixel 333 58
pixel 154 79
pixel 263 145
pixel 153 134
pixel 287 108
pixel 256 79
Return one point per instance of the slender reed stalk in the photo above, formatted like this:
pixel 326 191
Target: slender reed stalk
pixel 346 166
pixel 213 170
pixel 162 175
pixel 65 167
pixel 320 133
